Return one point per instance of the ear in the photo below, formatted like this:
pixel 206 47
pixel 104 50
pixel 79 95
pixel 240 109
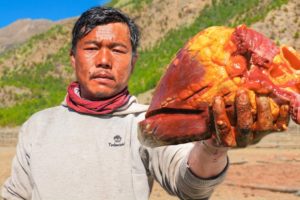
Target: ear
pixel 72 59
pixel 133 61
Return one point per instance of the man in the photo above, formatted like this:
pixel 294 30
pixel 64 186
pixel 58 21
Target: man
pixel 87 148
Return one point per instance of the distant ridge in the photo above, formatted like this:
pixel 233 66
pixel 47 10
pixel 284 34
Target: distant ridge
pixel 20 31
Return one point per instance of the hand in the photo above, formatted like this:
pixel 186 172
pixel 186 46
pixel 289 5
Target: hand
pixel 295 110
pixel 240 124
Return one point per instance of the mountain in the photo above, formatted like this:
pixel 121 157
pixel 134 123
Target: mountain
pixel 34 74
pixel 20 31
pixel 282 25
pixel 157 18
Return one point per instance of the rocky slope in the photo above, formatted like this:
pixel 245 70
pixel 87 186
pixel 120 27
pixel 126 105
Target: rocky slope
pixel 34 74
pixel 37 44
pixel 159 17
pixel 282 25
pixel 20 31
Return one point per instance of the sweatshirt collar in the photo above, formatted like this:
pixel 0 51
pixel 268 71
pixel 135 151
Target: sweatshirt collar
pixel 131 107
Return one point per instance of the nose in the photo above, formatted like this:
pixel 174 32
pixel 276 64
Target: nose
pixel 104 59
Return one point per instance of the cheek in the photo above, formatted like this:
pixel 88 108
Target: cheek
pixel 89 58
pixel 124 70
pixel 85 60
pixel 122 76
pixel 127 72
pixel 83 71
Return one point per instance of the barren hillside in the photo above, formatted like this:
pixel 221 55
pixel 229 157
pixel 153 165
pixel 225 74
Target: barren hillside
pixel 282 25
pixel 20 31
pixel 159 17
pixel 42 61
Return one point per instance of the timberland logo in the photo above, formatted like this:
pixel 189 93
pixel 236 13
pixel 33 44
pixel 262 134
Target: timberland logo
pixel 117 142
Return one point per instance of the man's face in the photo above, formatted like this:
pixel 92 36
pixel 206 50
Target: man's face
pixel 103 61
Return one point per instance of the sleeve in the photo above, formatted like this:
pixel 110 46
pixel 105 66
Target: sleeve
pixel 19 184
pixel 169 167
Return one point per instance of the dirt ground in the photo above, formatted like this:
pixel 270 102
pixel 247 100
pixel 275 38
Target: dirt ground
pixel 267 171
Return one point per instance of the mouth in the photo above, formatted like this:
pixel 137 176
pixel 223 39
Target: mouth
pixel 102 76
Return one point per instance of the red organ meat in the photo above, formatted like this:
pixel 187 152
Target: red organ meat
pixel 219 61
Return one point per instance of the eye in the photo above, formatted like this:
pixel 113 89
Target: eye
pixel 119 50
pixel 91 48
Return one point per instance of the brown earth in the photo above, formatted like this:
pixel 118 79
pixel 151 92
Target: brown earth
pixel 10 95
pixel 266 171
pixel 282 25
pixel 20 31
pixel 159 17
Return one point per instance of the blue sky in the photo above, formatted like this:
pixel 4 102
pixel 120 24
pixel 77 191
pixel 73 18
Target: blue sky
pixel 12 10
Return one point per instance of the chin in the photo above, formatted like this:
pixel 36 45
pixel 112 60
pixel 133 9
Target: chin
pixel 104 95
pixel 102 92
pixel 96 95
pixel 100 96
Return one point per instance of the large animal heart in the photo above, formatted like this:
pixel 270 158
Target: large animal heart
pixel 218 61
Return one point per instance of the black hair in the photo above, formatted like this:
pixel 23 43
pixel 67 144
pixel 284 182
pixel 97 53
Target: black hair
pixel 100 16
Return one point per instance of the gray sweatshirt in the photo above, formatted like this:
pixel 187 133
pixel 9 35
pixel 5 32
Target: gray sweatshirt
pixel 64 155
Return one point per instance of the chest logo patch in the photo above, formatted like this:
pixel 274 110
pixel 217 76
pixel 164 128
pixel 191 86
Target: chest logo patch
pixel 117 141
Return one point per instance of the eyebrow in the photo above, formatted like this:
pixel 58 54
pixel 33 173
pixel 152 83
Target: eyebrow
pixel 90 42
pixel 113 44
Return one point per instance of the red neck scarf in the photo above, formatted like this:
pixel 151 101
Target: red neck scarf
pixel 101 107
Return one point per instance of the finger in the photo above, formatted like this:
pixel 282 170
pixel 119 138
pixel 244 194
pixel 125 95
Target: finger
pixel 264 114
pixel 295 109
pixel 264 122
pixel 224 133
pixel 283 118
pixel 244 118
pixel 231 114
